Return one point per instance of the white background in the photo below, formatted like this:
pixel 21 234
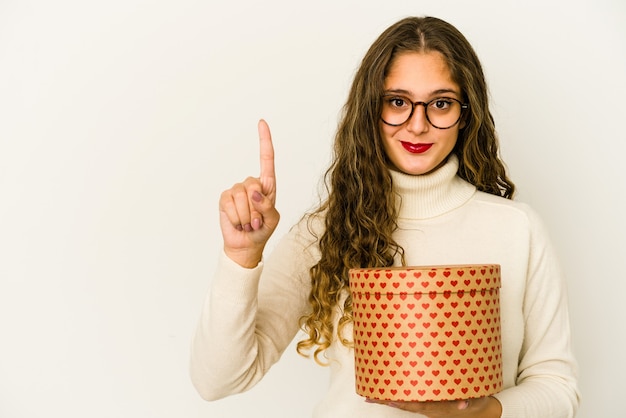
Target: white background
pixel 121 121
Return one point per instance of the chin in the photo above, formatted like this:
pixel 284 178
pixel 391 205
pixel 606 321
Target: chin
pixel 413 171
pixel 416 170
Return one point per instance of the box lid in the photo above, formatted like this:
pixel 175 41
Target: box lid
pixel 425 279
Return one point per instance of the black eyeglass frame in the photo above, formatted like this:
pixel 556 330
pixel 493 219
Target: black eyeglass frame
pixel 464 106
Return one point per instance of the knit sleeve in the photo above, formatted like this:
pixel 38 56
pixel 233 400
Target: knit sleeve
pixel 249 317
pixel 546 384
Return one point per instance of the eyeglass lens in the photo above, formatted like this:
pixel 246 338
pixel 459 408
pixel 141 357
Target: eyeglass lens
pixel 442 112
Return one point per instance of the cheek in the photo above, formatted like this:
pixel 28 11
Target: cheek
pixel 450 136
pixel 388 132
pixel 387 141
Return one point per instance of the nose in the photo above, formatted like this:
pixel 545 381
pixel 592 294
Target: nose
pixel 418 123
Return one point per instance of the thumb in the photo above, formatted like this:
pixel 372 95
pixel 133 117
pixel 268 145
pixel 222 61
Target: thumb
pixel 265 213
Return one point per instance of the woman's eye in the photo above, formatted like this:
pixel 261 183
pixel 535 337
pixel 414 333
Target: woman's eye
pixel 441 104
pixel 397 102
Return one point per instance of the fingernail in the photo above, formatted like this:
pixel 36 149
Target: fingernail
pixel 256 223
pixel 464 404
pixel 256 196
pixel 247 227
pixel 239 227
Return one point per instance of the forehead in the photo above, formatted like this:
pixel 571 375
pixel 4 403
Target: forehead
pixel 420 73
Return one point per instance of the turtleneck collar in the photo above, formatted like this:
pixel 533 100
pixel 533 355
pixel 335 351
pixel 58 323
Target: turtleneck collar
pixel 431 194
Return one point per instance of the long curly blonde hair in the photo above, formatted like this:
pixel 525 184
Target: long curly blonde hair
pixel 360 211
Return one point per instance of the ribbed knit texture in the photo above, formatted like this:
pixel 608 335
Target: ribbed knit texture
pixel 432 194
pixel 251 315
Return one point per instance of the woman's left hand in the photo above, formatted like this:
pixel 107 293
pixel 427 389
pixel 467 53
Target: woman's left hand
pixel 487 407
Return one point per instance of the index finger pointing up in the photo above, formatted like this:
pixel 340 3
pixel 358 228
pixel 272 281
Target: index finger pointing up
pixel 268 175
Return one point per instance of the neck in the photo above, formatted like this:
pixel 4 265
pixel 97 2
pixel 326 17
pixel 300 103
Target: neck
pixel 432 194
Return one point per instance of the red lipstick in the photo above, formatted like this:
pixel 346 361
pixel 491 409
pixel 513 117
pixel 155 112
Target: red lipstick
pixel 416 148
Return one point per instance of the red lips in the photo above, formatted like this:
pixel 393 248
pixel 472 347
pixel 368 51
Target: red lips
pixel 416 148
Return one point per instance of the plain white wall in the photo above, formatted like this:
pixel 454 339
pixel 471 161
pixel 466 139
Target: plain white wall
pixel 122 121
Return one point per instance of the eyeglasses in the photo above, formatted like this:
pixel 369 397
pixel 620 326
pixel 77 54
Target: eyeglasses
pixel 441 112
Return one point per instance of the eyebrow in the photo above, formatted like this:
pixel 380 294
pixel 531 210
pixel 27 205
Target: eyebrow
pixel 432 93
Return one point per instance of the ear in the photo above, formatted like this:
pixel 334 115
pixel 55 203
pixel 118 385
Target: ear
pixel 464 120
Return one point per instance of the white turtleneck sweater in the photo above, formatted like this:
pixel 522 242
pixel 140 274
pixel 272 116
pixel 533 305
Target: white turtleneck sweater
pixel 251 315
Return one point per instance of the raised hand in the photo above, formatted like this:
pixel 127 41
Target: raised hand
pixel 248 215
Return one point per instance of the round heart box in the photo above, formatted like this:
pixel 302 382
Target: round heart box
pixel 427 333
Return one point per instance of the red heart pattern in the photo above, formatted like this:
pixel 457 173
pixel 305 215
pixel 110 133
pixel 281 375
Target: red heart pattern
pixel 427 333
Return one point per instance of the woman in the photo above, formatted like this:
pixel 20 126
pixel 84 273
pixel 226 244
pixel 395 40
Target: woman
pixel 416 174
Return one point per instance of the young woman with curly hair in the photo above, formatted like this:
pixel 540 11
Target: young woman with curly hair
pixel 416 173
